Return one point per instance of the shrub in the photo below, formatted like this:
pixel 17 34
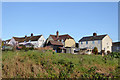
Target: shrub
pixel 95 50
pixel 115 54
pixel 108 52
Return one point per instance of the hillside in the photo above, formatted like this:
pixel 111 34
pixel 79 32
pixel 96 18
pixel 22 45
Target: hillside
pixel 38 64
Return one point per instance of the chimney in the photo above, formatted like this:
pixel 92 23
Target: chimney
pixel 57 33
pixel 31 34
pixel 25 36
pixel 94 34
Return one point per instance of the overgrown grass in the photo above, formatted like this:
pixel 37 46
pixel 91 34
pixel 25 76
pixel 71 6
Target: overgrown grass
pixel 38 64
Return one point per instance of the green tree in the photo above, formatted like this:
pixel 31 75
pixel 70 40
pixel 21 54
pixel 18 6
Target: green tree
pixel 95 50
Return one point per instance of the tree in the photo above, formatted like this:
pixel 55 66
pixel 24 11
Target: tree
pixel 95 50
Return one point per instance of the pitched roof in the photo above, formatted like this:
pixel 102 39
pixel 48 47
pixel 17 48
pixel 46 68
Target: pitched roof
pixel 8 40
pixel 33 38
pixel 116 43
pixel 19 39
pixel 22 39
pixel 56 43
pixel 91 38
pixel 64 37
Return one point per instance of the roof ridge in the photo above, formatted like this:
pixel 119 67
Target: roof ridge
pixel 97 35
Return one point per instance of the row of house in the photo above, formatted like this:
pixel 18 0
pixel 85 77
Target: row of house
pixel 66 44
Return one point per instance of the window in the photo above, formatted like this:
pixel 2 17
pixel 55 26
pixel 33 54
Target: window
pixel 93 42
pixel 117 48
pixel 98 41
pixel 81 42
pixel 62 40
pixel 104 48
pixel 86 42
pixel 107 46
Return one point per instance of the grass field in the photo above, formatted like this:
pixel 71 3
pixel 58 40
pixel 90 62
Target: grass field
pixel 38 64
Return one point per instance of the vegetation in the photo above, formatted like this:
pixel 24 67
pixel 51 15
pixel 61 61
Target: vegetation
pixel 95 50
pixel 48 64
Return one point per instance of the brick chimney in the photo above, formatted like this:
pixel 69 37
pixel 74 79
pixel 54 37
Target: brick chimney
pixel 57 33
pixel 94 34
pixel 25 36
pixel 31 34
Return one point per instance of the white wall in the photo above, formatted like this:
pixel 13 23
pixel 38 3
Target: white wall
pixel 12 42
pixel 90 45
pixel 49 38
pixel 41 41
pixel 107 44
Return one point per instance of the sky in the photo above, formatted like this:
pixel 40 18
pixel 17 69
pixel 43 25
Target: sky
pixel 78 19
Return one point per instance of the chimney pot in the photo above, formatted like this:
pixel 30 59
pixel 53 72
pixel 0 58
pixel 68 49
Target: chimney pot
pixel 25 36
pixel 94 34
pixel 57 33
pixel 31 34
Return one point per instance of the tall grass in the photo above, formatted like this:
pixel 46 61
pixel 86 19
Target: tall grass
pixel 40 64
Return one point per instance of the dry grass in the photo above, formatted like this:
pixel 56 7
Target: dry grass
pixel 36 64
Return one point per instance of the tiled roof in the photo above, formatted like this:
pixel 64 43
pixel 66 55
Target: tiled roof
pixel 116 43
pixel 91 38
pixel 8 40
pixel 22 39
pixel 55 43
pixel 64 37
pixel 19 39
pixel 33 38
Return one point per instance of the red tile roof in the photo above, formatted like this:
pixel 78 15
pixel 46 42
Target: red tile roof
pixel 56 43
pixel 64 37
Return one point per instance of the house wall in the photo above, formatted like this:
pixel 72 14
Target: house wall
pixel 90 45
pixel 49 38
pixel 116 48
pixel 35 43
pixel 107 44
pixel 41 41
pixel 69 43
pixel 13 42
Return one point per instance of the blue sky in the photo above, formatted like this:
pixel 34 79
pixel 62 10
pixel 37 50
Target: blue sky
pixel 77 19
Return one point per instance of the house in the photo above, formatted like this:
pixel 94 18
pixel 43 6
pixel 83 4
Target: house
pixel 85 51
pixel 66 40
pixel 116 47
pixel 37 41
pixel 56 45
pixel 102 42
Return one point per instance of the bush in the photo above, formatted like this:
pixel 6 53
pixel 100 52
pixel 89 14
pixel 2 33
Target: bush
pixel 95 50
pixel 27 48
pixel 115 55
pixel 108 52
